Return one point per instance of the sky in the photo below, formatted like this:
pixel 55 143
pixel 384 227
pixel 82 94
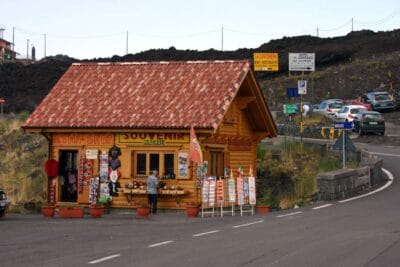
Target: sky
pixel 87 29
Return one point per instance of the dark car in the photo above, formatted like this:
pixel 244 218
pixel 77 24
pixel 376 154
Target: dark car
pixel 369 122
pixel 397 99
pixel 380 101
pixel 4 203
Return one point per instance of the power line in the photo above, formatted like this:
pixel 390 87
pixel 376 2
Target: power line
pixel 380 21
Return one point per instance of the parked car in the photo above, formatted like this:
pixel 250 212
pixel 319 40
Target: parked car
pixel 397 99
pixel 357 102
pixel 369 122
pixel 347 113
pixel 329 107
pixel 380 101
pixel 4 203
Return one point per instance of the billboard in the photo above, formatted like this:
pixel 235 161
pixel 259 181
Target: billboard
pixel 266 62
pixel 301 61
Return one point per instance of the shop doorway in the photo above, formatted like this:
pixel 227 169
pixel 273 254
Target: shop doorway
pixel 216 163
pixel 68 172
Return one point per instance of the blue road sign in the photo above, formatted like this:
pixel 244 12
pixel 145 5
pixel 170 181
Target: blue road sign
pixel 343 125
pixel 292 92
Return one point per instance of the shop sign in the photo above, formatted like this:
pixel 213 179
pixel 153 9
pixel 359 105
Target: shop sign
pixel 266 62
pixel 92 153
pixel 83 139
pixel 153 139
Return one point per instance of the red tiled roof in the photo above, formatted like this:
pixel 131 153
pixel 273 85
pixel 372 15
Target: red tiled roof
pixel 141 95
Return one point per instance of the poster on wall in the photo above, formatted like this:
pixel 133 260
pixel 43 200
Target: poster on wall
pixel 94 190
pixel 183 165
pixel 252 190
pixel 103 166
pixel 211 193
pixel 92 153
pixel 220 191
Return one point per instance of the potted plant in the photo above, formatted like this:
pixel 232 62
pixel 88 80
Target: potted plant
pixel 142 210
pixel 70 211
pixel 192 209
pixel 96 210
pixel 48 210
pixel 264 202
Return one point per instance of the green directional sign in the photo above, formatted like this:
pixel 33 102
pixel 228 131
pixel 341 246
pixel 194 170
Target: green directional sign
pixel 289 108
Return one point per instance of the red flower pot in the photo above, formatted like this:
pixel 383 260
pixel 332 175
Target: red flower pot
pixel 73 212
pixel 48 211
pixel 262 209
pixel 142 211
pixel 192 210
pixel 96 211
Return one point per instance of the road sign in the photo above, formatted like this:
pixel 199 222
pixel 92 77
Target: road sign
pixel 292 92
pixel 301 61
pixel 302 85
pixel 266 62
pixel 2 100
pixel 289 108
pixel 343 125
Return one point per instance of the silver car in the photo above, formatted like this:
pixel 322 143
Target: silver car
pixel 329 107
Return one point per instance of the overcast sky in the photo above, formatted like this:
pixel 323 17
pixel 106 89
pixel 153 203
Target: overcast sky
pixel 97 28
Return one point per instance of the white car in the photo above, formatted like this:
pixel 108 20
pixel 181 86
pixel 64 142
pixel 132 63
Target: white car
pixel 329 107
pixel 347 113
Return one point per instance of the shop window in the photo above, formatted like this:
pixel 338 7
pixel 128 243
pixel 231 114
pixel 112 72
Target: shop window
pixel 154 163
pixel 169 170
pixel 141 164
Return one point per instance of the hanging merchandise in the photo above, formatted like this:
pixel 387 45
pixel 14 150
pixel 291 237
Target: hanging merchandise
pixel 114 163
pixel 94 190
pixel 88 171
pixel 199 177
pixel 104 193
pixel 252 190
pixel 51 167
pixel 80 173
pixel 103 166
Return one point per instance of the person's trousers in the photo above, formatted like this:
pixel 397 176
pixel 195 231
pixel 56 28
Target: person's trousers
pixel 153 202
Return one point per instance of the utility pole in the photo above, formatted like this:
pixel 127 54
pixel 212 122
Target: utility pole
pixel 127 43
pixel 317 32
pixel 13 49
pixel 44 36
pixel 352 24
pixel 27 49
pixel 222 39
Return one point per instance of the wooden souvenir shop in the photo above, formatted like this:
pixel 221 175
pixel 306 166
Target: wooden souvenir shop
pixel 116 122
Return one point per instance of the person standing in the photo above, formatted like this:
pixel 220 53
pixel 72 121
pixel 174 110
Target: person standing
pixel 152 183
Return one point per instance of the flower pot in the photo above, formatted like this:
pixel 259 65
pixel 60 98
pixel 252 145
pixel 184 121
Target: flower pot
pixel 48 211
pixel 262 209
pixel 96 211
pixel 142 211
pixel 192 210
pixel 71 212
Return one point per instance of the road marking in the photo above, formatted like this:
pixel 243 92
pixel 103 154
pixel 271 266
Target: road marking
pixel 247 224
pixel 104 259
pixel 206 233
pixel 389 183
pixel 159 244
pixel 289 214
pixel 323 206
pixel 385 154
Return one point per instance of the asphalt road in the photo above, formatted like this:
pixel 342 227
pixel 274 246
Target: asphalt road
pixel 361 232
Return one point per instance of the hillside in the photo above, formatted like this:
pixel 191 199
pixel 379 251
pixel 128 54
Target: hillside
pixel 345 67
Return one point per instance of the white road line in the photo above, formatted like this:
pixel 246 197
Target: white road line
pixel 206 233
pixel 375 191
pixel 289 214
pixel 247 224
pixel 104 259
pixel 159 244
pixel 323 206
pixel 385 154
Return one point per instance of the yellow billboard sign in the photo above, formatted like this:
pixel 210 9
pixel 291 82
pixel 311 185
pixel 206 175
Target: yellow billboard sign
pixel 266 62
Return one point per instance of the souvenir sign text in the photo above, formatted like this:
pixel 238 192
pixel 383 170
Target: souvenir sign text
pixel 151 139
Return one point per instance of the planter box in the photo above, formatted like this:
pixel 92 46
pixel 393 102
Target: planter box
pixel 262 209
pixel 142 211
pixel 192 210
pixel 75 212
pixel 48 211
pixel 96 211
